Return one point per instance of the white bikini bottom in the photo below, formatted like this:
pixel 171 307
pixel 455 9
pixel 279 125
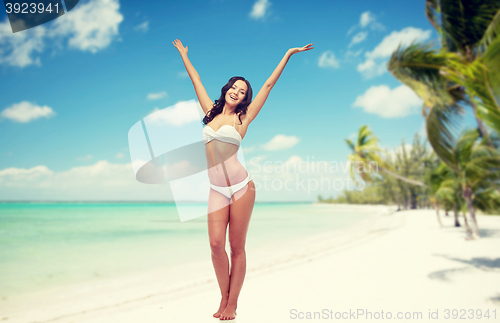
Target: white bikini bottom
pixel 228 191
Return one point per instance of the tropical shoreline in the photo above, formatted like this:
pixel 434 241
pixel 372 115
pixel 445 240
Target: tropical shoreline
pixel 403 257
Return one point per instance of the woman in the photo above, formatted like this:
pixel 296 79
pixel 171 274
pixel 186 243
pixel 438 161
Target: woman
pixel 232 193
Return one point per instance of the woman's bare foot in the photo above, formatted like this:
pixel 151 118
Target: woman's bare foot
pixel 222 307
pixel 229 313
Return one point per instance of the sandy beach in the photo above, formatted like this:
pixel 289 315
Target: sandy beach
pixel 400 264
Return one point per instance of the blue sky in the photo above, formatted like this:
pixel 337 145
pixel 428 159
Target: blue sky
pixel 72 88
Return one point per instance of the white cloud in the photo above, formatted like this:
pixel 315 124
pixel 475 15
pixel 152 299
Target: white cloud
pixel 90 27
pixel 100 181
pixel 259 9
pixel 293 179
pixel 358 38
pixel 404 37
pixel 156 96
pixel 328 59
pixel 181 113
pixel 17 49
pixel 387 103
pixel 376 58
pixel 352 54
pixel 26 111
pixel 353 28
pixel 20 177
pixel 120 155
pixel 144 27
pixel 281 142
pixel 370 69
pixel 367 20
pixel 41 176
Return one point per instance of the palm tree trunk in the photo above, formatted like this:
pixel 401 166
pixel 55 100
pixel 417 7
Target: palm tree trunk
pixel 475 229
pixel 404 179
pixel 455 214
pixel 467 228
pixel 413 199
pixel 479 122
pixel 468 197
pixel 436 207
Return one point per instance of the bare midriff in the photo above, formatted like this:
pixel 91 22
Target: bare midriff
pixel 224 168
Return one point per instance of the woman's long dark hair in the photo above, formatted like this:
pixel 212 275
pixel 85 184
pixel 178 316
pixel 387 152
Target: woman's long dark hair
pixel 219 104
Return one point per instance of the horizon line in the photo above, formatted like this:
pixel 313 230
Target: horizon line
pixel 128 201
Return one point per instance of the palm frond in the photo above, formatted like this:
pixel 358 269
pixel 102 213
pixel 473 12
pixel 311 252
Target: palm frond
pixel 366 153
pixel 442 125
pixel 432 12
pixel 366 139
pixel 350 144
pixel 445 193
pixel 475 77
pixel 418 66
pixel 487 200
pixel 464 146
pixel 491 75
pixel 465 22
pixel 491 33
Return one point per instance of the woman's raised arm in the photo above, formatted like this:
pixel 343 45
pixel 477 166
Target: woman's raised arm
pixel 254 107
pixel 205 101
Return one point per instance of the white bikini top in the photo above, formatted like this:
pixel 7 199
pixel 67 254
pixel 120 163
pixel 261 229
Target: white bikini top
pixel 226 133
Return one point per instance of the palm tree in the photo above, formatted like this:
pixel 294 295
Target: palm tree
pixel 449 192
pixel 477 168
pixel 366 154
pixel 435 178
pixel 411 163
pixel 390 191
pixel 464 72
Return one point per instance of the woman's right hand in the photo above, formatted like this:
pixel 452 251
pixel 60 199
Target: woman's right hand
pixel 300 49
pixel 182 50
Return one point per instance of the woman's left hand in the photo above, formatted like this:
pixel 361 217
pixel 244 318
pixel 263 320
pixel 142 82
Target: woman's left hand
pixel 300 49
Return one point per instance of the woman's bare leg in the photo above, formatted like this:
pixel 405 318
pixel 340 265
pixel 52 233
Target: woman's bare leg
pixel 240 212
pixel 218 217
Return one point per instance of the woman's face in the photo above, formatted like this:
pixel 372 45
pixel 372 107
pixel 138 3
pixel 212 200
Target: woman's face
pixel 236 93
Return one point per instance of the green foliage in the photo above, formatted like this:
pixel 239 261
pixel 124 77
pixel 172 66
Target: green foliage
pixel 463 171
pixel 401 176
pixel 464 72
pixel 370 195
pixel 476 164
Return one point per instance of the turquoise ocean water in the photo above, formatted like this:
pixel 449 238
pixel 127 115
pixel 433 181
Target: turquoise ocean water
pixel 52 244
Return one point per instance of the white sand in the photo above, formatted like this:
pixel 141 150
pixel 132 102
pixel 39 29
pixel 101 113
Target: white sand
pixel 400 263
